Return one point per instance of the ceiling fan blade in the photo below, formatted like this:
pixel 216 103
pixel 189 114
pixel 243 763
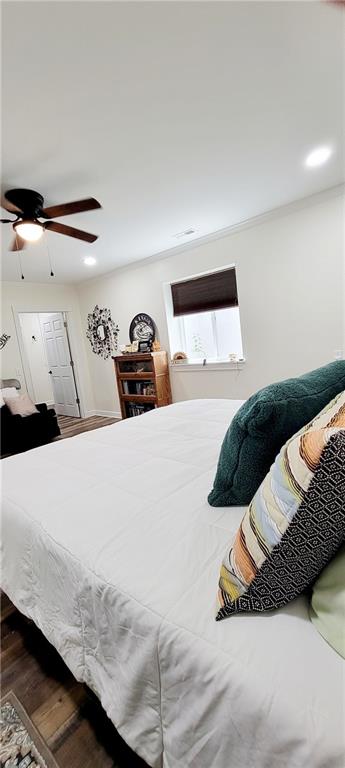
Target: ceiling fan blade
pixel 6 221
pixel 79 206
pixel 55 226
pixel 10 207
pixel 18 244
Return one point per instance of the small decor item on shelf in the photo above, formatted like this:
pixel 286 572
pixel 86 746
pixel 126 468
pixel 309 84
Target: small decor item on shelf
pixel 130 349
pixel 144 346
pixel 179 357
pixel 102 332
pixel 142 328
pixel 156 347
pixel 150 389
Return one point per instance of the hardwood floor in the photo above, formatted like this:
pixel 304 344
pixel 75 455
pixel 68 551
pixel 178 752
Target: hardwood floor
pixel 70 425
pixel 67 715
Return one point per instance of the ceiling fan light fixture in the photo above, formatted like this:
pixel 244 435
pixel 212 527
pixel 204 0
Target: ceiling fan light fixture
pixel 28 205
pixel 29 230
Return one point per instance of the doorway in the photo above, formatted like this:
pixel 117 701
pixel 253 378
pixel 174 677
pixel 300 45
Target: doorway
pixel 48 363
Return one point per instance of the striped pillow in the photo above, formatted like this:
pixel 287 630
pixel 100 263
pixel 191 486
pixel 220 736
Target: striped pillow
pixel 295 522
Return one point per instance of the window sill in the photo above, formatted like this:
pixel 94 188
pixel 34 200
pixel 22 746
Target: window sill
pixel 220 365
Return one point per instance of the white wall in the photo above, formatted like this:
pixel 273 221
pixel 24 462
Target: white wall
pixel 38 297
pixel 290 275
pixel 36 358
pixel 290 284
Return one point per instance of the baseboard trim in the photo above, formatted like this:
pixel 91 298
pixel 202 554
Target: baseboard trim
pixel 109 414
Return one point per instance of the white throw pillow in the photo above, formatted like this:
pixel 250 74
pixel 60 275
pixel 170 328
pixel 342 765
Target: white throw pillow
pixel 21 405
pixel 8 392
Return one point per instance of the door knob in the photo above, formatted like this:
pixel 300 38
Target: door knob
pixel 51 372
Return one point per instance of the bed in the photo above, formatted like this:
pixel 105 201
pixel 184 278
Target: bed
pixel 110 546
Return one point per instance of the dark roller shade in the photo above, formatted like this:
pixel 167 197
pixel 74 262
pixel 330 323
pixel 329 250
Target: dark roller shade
pixel 217 290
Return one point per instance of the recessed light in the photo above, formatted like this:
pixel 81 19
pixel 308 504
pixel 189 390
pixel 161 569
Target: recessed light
pixel 318 156
pixel 90 261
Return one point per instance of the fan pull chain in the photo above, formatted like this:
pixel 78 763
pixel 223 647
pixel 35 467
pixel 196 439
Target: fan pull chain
pixel 20 259
pixel 49 257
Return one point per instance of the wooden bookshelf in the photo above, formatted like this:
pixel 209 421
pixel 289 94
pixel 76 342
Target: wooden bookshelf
pixel 142 381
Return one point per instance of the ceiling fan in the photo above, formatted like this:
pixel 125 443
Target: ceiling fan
pixel 28 206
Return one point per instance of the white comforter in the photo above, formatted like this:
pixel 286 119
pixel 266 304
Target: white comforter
pixel 110 546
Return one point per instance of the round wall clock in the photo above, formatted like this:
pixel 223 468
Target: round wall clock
pixel 142 328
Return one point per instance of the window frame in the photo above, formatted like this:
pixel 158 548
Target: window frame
pixel 217 360
pixel 176 329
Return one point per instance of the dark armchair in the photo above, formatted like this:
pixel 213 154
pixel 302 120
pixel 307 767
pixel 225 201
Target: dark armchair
pixel 20 433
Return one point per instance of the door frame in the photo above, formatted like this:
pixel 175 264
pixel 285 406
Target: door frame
pixel 71 337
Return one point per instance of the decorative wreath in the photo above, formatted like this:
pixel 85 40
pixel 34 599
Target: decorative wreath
pixel 102 332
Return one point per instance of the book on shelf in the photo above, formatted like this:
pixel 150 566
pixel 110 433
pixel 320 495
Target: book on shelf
pixel 145 388
pixel 136 409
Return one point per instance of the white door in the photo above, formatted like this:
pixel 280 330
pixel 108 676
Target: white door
pixel 60 364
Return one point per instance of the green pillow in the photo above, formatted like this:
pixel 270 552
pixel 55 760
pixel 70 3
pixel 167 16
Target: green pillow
pixel 327 609
pixel 263 424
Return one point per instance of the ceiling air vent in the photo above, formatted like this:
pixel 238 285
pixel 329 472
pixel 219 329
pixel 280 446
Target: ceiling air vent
pixel 185 233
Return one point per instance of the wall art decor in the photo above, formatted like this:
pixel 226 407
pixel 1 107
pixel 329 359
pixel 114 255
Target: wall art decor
pixel 102 332
pixel 142 328
pixel 3 340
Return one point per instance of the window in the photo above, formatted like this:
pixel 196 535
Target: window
pixel 204 317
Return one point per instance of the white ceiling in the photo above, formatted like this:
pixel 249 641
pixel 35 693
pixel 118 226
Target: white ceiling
pixel 173 115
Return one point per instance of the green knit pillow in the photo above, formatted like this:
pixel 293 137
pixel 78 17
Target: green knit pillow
pixel 261 427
